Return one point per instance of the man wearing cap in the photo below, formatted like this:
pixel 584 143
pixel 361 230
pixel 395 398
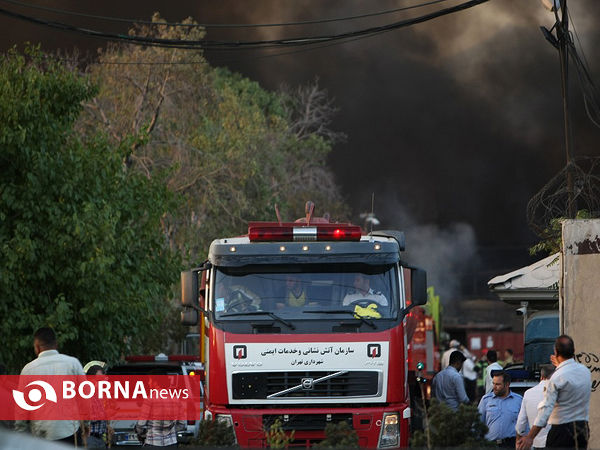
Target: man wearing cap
pixel 89 365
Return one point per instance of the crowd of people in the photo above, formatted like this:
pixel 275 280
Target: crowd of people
pixel 552 414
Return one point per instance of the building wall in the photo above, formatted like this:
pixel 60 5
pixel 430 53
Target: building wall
pixel 580 305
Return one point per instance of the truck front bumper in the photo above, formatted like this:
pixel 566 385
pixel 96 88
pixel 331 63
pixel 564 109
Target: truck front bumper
pixel 373 424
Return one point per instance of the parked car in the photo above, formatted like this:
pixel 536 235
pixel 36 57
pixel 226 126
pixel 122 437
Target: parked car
pixel 124 433
pixel 521 379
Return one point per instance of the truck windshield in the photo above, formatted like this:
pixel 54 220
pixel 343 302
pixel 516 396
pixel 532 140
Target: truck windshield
pixel 542 328
pixel 306 291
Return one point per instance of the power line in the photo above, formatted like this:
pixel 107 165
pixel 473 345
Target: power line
pixel 291 52
pixel 208 44
pixel 216 25
pixel 224 61
pixel 577 36
pixel 588 89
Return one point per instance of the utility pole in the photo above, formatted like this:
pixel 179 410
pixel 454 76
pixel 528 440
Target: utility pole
pixel 562 32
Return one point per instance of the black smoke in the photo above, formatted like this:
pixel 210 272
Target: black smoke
pixel 453 124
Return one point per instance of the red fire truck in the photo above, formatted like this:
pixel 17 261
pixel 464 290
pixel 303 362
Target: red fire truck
pixel 422 344
pixel 423 361
pixel 304 322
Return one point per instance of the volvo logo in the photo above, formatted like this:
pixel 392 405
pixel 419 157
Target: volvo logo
pixel 308 384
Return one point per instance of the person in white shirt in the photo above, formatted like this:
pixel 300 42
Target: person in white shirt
pixel 492 357
pixel 362 291
pixel 50 362
pixel 452 347
pixel 566 404
pixel 528 412
pixel 470 375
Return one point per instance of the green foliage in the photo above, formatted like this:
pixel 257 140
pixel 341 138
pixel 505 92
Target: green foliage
pixel 108 181
pixel 81 247
pixel 339 435
pixel 234 149
pixel 449 428
pixel 276 437
pixel 553 242
pixel 214 433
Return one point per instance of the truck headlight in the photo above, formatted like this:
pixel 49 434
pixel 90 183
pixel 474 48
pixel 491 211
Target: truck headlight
pixel 225 418
pixel 390 431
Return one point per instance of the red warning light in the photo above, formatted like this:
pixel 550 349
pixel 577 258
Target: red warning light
pixel 322 232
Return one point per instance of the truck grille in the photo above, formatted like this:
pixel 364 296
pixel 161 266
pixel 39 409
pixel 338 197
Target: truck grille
pixel 306 422
pixel 260 385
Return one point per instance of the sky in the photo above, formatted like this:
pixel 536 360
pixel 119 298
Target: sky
pixel 452 124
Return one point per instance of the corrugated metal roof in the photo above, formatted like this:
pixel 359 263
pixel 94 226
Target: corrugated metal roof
pixel 543 274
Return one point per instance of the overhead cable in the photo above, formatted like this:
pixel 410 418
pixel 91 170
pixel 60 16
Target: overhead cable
pixel 237 58
pixel 586 82
pixel 217 44
pixel 219 25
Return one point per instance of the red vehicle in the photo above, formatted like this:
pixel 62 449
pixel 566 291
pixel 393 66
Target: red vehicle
pixel 480 341
pixel 423 360
pixel 333 351
pixel 422 344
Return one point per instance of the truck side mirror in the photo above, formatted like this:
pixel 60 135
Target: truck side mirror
pixel 189 288
pixel 189 317
pixel 418 286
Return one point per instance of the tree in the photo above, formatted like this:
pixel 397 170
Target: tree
pixel 339 435
pixel 449 428
pixel 214 434
pixel 552 242
pixel 80 238
pixel 234 149
pixel 277 437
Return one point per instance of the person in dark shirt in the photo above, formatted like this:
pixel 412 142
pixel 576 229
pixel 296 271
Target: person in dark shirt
pixel 448 385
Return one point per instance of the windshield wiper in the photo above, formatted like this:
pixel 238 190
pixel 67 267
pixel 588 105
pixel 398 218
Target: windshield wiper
pixel 344 311
pixel 261 313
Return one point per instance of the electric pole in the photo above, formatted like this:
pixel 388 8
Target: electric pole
pixel 562 32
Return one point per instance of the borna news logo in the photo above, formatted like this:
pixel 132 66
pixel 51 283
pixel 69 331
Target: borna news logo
pixel 35 396
pixel 118 397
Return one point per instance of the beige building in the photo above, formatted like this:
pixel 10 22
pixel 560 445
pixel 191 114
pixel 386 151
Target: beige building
pixel 569 281
pixel 580 303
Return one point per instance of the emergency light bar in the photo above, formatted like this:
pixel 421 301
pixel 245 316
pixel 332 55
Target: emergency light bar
pixel 293 232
